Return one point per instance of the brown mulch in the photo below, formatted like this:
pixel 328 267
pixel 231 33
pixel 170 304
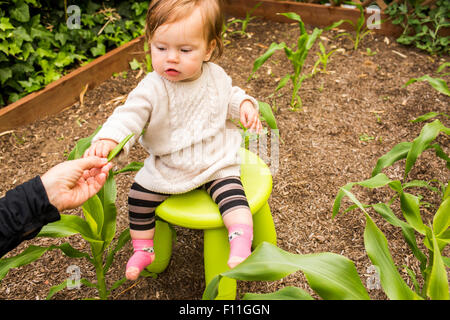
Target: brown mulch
pixel 351 116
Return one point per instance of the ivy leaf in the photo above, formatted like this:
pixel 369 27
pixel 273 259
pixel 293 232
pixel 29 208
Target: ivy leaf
pixel 5 24
pixel 5 74
pixel 21 12
pixel 98 50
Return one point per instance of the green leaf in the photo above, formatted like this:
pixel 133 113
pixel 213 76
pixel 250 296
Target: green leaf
pixel 438 282
pixel 407 230
pixel 400 151
pixel 267 114
pixel 20 12
pixel 425 117
pixel 134 64
pixel 428 133
pixel 441 220
pixel 107 196
pixel 283 82
pixel 99 50
pixel 133 166
pixel 287 293
pixel 119 147
pixel 411 211
pixel 93 213
pixel 437 83
pixel 29 255
pixel 330 275
pixel 55 289
pixel 82 145
pixel 71 252
pixel 5 74
pixel 377 181
pixel 5 24
pixel 377 249
pixel 263 58
pixel 66 226
pixel 123 239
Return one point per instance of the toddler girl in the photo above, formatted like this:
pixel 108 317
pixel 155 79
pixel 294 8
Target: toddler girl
pixel 185 106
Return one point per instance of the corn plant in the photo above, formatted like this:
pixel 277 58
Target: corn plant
pixel 244 23
pixel 435 235
pixel 323 59
pixel 97 228
pixel 333 276
pixel 297 58
pixel 438 84
pixel 360 27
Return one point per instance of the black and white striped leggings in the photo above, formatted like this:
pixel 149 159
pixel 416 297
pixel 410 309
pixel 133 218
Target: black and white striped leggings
pixel 227 192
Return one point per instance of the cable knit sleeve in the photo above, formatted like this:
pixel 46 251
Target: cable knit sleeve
pixel 132 116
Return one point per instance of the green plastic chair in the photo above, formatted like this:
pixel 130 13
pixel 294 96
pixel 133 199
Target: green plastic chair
pixel 196 210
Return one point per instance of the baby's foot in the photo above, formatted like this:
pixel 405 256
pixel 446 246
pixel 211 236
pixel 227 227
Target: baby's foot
pixel 142 257
pixel 240 237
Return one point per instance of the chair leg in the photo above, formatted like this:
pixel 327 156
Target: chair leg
pixel 162 247
pixel 263 227
pixel 216 252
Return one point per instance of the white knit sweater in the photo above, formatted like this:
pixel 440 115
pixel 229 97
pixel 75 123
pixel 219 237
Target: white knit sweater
pixel 188 133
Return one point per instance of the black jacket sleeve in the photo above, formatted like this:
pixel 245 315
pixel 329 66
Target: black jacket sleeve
pixel 23 212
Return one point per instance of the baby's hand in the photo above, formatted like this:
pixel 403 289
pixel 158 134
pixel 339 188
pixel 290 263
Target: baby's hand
pixel 100 148
pixel 250 117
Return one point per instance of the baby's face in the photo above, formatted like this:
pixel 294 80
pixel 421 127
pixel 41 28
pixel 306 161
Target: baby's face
pixel 179 49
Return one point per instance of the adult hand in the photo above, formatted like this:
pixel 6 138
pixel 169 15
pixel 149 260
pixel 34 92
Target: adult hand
pixel 70 183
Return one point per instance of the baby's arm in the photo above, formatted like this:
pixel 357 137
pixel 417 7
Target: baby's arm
pixel 129 118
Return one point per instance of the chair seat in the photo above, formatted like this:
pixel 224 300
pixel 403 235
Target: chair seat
pixel 196 209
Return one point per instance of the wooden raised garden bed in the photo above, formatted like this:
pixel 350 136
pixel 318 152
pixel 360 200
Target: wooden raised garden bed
pixel 66 91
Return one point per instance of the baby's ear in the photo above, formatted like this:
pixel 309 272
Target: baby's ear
pixel 210 50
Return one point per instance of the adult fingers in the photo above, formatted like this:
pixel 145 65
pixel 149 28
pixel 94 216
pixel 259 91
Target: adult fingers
pixel 90 162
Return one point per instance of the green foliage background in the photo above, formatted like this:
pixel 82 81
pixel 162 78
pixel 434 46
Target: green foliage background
pixel 37 47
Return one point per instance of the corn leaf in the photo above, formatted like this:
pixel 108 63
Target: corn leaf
pixel 260 60
pixel 283 82
pixel 296 17
pixel 107 196
pixel 119 147
pixel 411 211
pixel 287 293
pixel 67 225
pixel 29 255
pixel 438 283
pixel 331 275
pixel 428 133
pixel 82 145
pixel 267 114
pixel 408 231
pixel 93 213
pixel 400 151
pixel 437 83
pixel 123 239
pixel 55 289
pixel 441 220
pixel 377 249
pixel 133 166
pixel 32 253
pixel 377 181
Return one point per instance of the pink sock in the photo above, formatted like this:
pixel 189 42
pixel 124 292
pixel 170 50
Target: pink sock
pixel 143 254
pixel 240 237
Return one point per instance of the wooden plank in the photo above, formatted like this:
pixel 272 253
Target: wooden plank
pixel 65 91
pixel 311 14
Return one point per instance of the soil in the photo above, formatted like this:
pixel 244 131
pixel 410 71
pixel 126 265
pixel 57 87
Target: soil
pixel 351 116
